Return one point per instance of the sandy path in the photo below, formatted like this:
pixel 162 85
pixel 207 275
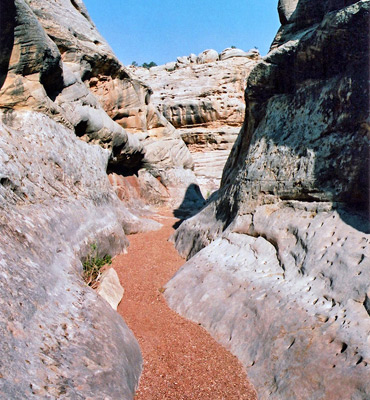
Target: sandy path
pixel 181 360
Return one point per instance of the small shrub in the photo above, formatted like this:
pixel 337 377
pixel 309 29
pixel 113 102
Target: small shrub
pixel 92 266
pixel 149 65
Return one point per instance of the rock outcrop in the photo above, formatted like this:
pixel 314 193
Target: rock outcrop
pixel 65 101
pixel 203 97
pixel 61 66
pixel 59 339
pixel 279 260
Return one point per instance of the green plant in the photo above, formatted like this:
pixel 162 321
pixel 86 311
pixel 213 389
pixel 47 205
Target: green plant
pixel 92 266
pixel 233 47
pixel 150 65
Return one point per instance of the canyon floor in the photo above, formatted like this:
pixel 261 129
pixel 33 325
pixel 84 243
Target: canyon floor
pixel 181 360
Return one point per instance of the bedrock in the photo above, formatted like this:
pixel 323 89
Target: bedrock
pixel 284 243
pixel 59 338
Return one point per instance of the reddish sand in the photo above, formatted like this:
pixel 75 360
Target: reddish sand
pixel 181 360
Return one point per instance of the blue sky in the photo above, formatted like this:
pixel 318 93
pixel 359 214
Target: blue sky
pixel 161 30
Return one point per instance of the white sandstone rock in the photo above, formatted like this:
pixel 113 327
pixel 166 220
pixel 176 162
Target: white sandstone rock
pixel 231 52
pixel 110 288
pixel 207 56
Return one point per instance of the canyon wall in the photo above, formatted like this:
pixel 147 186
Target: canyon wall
pixel 203 97
pixel 279 260
pixel 70 113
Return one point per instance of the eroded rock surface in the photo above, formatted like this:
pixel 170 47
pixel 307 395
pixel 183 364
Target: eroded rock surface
pixel 62 126
pixel 203 97
pixel 59 339
pixel 279 267
pixel 61 66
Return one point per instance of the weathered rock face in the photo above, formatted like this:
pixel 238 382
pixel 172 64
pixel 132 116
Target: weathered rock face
pixel 38 79
pixel 284 275
pixel 286 9
pixel 59 338
pixel 87 55
pixel 76 79
pixel 202 93
pixel 204 98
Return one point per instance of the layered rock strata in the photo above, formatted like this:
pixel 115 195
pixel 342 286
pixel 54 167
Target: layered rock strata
pixel 65 101
pixel 203 97
pixel 61 66
pixel 279 260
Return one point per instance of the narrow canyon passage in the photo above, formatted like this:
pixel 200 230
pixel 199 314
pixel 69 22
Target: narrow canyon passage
pixel 181 360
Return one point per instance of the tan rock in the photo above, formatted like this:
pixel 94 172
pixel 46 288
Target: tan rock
pixel 110 288
pixel 207 56
pixel 205 102
pixel 201 95
pixel 233 52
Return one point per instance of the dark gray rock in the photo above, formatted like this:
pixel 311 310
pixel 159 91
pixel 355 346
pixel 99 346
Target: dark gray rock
pixel 286 9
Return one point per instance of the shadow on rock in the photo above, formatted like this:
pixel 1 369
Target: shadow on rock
pixel 358 219
pixel 192 203
pixel 7 24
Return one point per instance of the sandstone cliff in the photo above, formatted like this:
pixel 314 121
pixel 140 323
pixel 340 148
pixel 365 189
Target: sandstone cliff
pixel 279 260
pixel 65 101
pixel 203 97
pixel 61 66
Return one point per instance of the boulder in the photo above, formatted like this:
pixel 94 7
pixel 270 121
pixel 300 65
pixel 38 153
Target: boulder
pixel 207 56
pixel 110 288
pixel 279 258
pixel 183 60
pixel 233 52
pixel 192 58
pixel 253 54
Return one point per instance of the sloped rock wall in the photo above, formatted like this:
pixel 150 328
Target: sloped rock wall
pixel 59 338
pixel 57 141
pixel 283 277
